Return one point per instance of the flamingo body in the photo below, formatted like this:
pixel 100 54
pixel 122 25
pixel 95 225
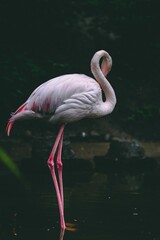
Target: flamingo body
pixel 65 99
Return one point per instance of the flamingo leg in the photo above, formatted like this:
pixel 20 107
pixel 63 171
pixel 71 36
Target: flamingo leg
pixel 60 168
pixel 61 236
pixel 50 163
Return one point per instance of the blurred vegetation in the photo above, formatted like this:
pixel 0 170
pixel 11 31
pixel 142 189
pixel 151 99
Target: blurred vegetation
pixel 43 39
pixel 9 163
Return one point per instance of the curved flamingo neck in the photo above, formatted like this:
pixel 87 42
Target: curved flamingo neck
pixel 99 74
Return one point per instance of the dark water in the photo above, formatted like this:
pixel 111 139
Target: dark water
pixel 106 204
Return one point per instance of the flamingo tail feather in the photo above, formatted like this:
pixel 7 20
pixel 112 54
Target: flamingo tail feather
pixel 10 123
pixel 9 126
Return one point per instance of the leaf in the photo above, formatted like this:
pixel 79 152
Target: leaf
pixel 4 157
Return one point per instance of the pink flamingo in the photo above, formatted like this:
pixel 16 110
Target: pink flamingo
pixel 66 99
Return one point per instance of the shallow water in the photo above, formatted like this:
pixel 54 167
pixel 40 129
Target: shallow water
pixel 100 203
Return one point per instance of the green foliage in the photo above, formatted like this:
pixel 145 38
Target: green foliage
pixel 9 163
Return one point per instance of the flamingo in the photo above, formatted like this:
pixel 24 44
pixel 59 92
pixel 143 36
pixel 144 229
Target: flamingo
pixel 66 99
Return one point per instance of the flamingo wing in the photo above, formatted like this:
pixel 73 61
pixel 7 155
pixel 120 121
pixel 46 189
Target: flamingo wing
pixel 65 98
pixel 52 94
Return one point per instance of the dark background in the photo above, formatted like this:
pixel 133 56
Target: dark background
pixel 106 197
pixel 41 39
